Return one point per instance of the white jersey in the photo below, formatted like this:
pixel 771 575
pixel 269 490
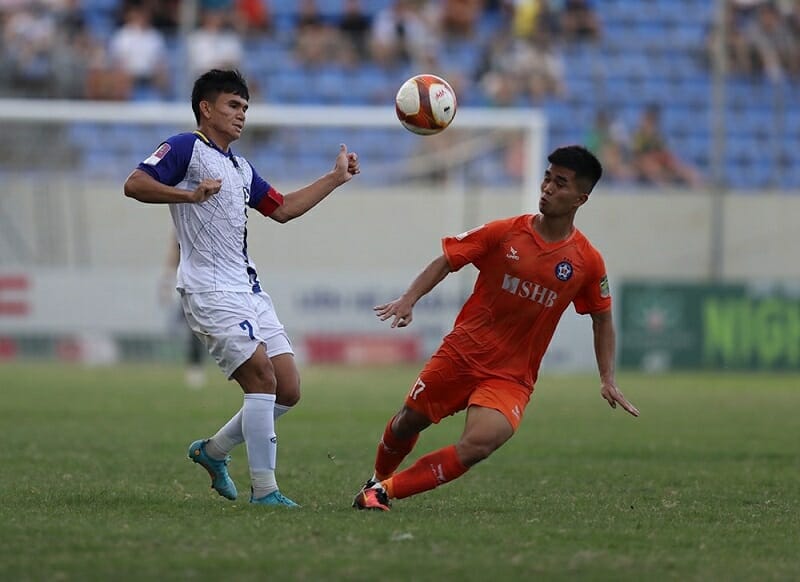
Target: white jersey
pixel 213 234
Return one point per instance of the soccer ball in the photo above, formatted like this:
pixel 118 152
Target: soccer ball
pixel 425 104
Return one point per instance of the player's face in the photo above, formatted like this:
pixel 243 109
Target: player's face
pixel 227 115
pixel 561 194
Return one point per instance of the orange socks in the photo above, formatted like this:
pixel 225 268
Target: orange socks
pixel 391 452
pixel 430 471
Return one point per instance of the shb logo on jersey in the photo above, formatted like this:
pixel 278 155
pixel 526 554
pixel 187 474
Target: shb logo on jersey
pixel 158 155
pixel 512 254
pixel 529 290
pixel 564 271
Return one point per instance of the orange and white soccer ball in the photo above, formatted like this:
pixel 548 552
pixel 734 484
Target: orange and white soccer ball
pixel 426 104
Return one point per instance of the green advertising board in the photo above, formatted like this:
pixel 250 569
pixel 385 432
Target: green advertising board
pixel 697 326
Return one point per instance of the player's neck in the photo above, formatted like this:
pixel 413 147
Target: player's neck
pixel 553 229
pixel 216 138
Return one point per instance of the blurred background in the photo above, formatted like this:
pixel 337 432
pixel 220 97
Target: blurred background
pixel 692 105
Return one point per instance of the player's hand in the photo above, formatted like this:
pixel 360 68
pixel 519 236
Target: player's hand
pixel 346 164
pixel 205 190
pixel 612 394
pixel 398 309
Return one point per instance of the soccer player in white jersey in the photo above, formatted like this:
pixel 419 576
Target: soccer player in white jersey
pixel 209 190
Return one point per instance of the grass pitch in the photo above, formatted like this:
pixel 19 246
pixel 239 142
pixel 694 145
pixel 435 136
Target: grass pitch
pixel 95 484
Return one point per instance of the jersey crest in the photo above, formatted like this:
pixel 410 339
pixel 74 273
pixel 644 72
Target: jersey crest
pixel 605 290
pixel 158 155
pixel 564 271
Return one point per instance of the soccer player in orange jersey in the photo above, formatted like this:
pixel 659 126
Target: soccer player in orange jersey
pixel 531 267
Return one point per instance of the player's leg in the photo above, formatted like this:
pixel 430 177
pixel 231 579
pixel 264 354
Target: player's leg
pixel 442 389
pixel 494 413
pixel 287 394
pixel 229 326
pixel 485 430
pixel 287 389
pixel 279 349
pixel 212 454
pixel 255 423
pixel 398 440
pixel 256 376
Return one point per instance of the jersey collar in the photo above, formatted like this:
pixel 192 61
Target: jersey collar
pixel 547 244
pixel 206 140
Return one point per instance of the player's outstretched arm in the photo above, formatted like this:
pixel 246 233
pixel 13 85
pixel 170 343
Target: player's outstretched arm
pixel 300 201
pixel 605 352
pixel 143 187
pixel 402 307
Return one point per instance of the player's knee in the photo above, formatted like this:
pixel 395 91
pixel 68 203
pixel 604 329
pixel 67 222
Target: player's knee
pixel 471 451
pixel 408 423
pixel 263 380
pixel 288 397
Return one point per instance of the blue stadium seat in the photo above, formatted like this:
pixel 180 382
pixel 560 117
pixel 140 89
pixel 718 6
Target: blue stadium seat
pixel 650 52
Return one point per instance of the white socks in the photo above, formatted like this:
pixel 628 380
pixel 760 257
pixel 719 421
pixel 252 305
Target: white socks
pixel 254 425
pixel 258 428
pixel 229 436
pixel 280 410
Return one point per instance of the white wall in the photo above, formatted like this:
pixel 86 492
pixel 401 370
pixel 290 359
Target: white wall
pixel 363 245
pixel 641 234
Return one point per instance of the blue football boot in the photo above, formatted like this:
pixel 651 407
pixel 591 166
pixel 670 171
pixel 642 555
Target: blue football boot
pixel 221 482
pixel 274 498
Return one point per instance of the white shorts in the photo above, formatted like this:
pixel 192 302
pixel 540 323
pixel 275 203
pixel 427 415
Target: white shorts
pixel 232 325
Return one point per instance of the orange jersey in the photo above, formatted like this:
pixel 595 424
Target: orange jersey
pixel 523 287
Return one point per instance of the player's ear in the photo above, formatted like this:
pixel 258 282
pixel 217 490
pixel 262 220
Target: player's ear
pixel 205 108
pixel 581 200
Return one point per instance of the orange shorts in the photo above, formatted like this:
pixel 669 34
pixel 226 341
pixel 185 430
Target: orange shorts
pixel 446 385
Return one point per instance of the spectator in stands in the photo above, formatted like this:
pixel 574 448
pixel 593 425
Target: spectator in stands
pixel 215 44
pixel 28 47
pixel 317 41
pixel 771 44
pixel 139 51
pixel 254 16
pixel 165 15
pixel 743 10
pixel 735 46
pixel 456 19
pixel 401 35
pixel 308 15
pixel 526 70
pixel 579 21
pixel 354 25
pixel 76 49
pixel 653 160
pixel 609 141
pixel 216 5
pixel 531 18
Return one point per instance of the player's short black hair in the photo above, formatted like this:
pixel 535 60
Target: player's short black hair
pixel 584 163
pixel 215 82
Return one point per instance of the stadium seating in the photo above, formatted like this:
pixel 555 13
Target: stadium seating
pixel 650 52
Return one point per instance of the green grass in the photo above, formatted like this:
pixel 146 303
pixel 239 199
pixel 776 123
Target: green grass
pixel 705 485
